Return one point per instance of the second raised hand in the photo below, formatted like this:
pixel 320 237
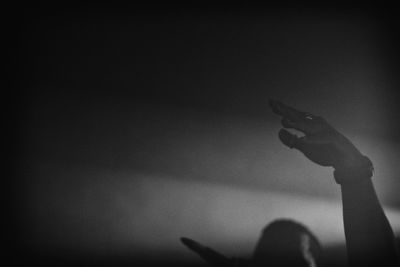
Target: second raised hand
pixel 209 255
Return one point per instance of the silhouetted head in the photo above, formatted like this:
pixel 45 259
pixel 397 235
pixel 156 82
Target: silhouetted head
pixel 287 243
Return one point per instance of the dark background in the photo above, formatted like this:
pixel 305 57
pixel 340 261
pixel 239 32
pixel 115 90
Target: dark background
pixel 124 114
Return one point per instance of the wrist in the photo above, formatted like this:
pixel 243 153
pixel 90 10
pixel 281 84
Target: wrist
pixel 355 173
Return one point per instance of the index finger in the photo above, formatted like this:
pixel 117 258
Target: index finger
pixel 286 111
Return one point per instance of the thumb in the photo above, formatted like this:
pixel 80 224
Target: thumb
pixel 300 143
pixel 288 139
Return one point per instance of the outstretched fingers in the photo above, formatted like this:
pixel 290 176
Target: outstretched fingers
pixel 286 111
pixel 295 119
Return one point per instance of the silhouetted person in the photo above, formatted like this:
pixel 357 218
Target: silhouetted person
pixel 369 238
pixel 286 237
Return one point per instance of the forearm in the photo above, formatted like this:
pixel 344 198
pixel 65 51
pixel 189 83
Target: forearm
pixel 369 237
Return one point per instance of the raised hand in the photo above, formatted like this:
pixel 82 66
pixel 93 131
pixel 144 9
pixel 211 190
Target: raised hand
pixel 321 143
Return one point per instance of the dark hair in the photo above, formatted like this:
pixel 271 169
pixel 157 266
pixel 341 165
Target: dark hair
pixel 280 242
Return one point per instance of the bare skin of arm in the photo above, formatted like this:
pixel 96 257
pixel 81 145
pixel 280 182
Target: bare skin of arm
pixel 369 238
